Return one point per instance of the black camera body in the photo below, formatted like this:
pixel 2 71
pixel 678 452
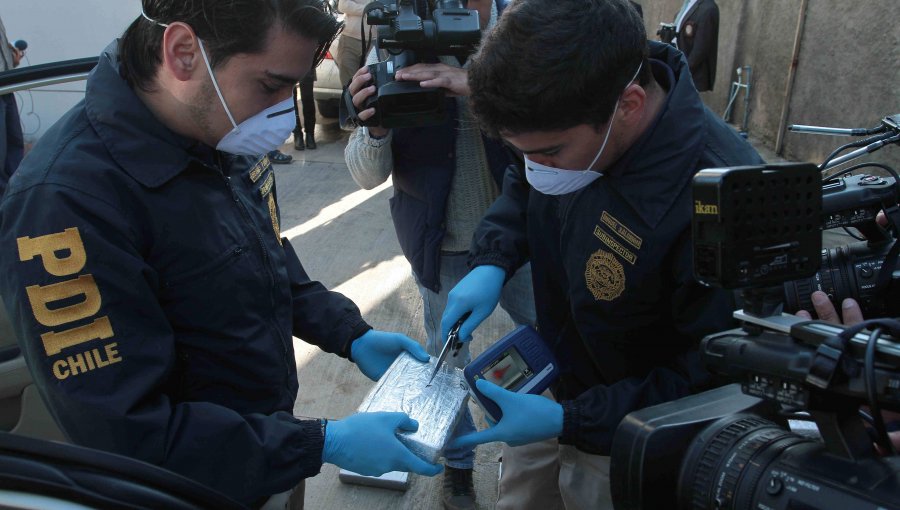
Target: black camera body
pixel 402 103
pixel 405 34
pixel 723 449
pixel 667 32
pixel 762 225
pixel 854 270
pixel 756 228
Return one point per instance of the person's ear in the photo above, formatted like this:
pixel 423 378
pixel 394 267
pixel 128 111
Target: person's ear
pixel 632 103
pixel 180 52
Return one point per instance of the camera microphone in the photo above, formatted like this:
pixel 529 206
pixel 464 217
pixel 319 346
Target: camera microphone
pixel 21 45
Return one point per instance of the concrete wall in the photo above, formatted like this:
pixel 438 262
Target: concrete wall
pixel 61 30
pixel 847 75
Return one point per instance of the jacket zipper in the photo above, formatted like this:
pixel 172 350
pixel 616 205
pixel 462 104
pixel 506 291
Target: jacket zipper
pixel 268 264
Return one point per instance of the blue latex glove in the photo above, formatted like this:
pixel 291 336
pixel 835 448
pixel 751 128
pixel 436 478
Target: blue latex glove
pixel 526 419
pixel 374 352
pixel 478 292
pixel 367 443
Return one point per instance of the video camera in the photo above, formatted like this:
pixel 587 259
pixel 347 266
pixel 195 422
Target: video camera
pixel 753 445
pixel 769 236
pixel 406 35
pixel 666 32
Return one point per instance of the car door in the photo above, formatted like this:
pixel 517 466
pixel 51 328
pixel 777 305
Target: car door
pixel 21 409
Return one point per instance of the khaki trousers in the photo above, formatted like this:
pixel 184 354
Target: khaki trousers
pixel 551 476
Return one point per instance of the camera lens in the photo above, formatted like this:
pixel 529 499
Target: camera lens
pixel 832 279
pixel 725 463
pixel 849 271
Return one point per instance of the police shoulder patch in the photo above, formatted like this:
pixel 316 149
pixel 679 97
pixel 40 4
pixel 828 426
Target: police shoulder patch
pixel 604 276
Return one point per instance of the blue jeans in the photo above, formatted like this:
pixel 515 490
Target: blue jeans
pixel 517 298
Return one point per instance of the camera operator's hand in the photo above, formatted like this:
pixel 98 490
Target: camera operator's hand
pixel 850 310
pixel 360 88
pixel 454 79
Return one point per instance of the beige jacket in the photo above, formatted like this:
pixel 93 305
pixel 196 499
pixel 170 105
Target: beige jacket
pixel 353 10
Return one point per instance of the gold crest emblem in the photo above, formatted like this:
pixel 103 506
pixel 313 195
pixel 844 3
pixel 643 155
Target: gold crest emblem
pixel 604 276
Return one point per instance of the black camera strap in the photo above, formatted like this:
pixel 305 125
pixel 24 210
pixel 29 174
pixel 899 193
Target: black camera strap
pixel 829 359
pixel 348 117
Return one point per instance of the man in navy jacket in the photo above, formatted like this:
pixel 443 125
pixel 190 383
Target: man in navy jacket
pixel 612 131
pixel 144 271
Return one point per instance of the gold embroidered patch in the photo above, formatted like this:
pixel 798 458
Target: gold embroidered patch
pixel 259 168
pixel 604 276
pixel 614 245
pixel 621 230
pixel 266 187
pixel 256 172
pixel 273 213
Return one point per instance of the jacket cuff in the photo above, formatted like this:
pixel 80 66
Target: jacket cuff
pixel 571 421
pixel 492 259
pixel 357 330
pixel 311 442
pixel 376 142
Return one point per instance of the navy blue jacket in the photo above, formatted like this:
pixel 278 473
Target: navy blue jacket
pixel 155 299
pixel 614 289
pixel 424 164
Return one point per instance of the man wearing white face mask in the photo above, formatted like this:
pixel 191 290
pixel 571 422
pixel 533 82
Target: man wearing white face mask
pixel 142 263
pixel 612 131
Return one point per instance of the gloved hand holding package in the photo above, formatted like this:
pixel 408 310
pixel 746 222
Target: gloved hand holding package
pixel 438 407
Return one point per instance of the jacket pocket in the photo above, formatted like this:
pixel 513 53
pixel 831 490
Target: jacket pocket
pixel 206 270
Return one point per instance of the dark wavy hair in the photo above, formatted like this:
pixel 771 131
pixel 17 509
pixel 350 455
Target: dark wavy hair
pixel 554 64
pixel 227 27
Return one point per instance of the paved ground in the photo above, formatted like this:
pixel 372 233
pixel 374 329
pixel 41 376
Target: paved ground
pixel 345 239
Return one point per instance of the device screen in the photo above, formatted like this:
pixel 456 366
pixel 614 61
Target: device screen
pixel 507 370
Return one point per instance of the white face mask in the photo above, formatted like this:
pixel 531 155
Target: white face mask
pixel 259 134
pixel 560 181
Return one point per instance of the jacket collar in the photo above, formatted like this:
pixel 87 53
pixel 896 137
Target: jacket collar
pixel 145 148
pixel 651 174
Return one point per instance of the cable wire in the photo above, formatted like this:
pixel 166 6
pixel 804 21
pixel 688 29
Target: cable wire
pixel 854 145
pixel 871 393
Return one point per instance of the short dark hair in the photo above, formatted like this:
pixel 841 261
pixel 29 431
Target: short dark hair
pixel 554 64
pixel 227 27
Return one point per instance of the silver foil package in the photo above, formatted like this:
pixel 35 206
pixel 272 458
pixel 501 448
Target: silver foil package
pixel 438 407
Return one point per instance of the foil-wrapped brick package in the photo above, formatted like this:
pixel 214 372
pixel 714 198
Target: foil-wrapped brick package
pixel 438 407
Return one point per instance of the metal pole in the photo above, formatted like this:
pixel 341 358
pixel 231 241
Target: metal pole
pixel 744 128
pixel 789 88
pixel 55 80
pixel 819 130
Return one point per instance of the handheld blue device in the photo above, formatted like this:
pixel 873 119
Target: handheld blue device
pixel 520 362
